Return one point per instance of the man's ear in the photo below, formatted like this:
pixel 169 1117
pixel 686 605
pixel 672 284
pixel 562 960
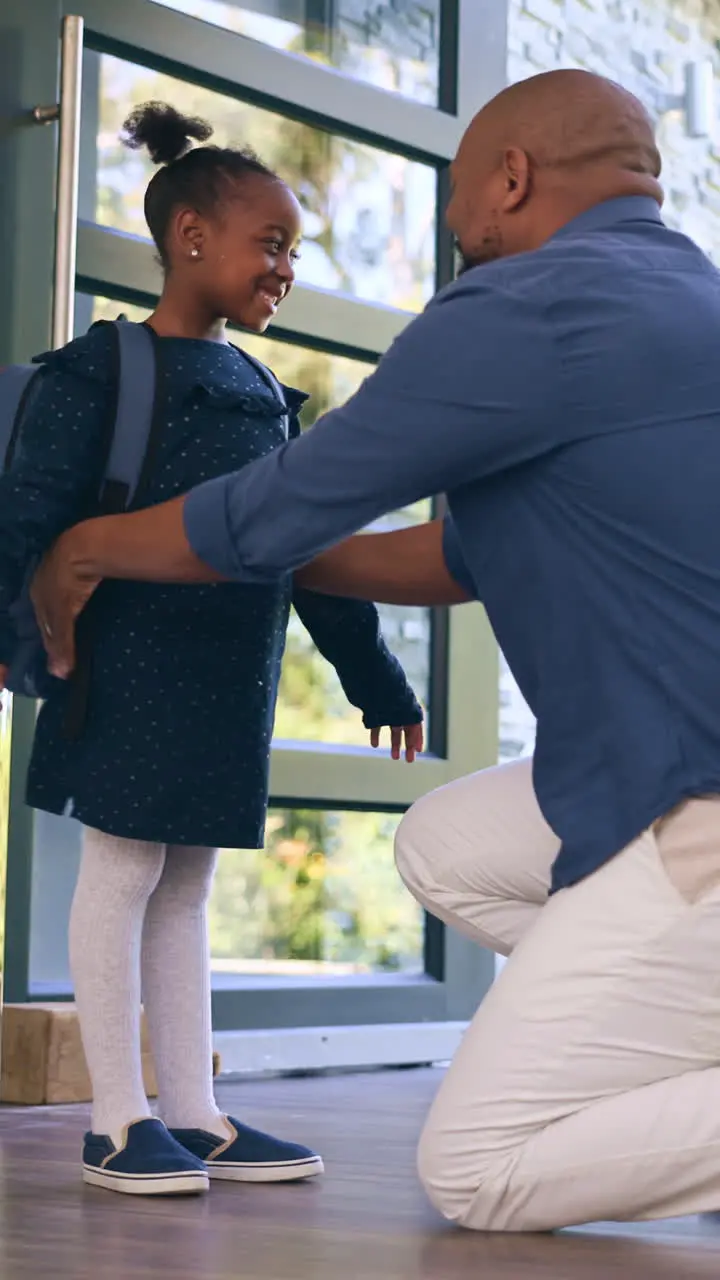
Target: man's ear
pixel 516 169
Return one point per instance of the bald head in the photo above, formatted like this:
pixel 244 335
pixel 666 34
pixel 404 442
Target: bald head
pixel 543 151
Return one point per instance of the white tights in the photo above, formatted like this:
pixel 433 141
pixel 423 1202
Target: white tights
pixel 139 925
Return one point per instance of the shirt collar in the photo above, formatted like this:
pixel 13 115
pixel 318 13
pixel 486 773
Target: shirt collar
pixel 611 212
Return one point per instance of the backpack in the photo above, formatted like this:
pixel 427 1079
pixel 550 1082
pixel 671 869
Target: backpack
pixel 130 451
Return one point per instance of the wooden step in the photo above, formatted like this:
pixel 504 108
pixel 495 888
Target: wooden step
pixel 42 1056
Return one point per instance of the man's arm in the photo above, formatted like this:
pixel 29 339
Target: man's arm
pixel 423 565
pixel 469 390
pixel 414 566
pixel 420 565
pixel 145 546
pixel 406 566
pixel 446 406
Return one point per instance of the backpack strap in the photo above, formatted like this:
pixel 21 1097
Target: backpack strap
pixel 271 381
pixel 18 384
pixel 136 421
pixel 132 446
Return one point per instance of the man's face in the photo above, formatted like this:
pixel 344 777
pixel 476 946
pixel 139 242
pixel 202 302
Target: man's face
pixel 488 186
pixel 472 213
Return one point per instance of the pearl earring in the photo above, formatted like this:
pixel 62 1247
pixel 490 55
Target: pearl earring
pixel 194 253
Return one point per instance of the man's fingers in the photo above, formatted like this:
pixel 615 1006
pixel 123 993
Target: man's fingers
pixel 57 628
pixel 59 641
pixel 396 737
pixel 375 738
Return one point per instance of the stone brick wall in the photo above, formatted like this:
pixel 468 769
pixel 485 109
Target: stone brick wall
pixel 405 27
pixel 643 44
pixel 392 43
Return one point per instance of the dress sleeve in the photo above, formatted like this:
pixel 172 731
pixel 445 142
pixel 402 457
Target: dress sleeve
pixel 347 633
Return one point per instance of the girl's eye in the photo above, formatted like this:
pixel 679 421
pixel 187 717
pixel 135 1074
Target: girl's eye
pixel 275 246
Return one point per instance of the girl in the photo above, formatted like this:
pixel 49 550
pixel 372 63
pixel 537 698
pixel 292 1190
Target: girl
pixel 160 744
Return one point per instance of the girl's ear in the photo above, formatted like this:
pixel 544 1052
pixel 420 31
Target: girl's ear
pixel 186 235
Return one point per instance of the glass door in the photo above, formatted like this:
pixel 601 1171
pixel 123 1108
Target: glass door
pixel 358 105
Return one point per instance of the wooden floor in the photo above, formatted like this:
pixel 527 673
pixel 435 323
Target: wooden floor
pixel 366 1220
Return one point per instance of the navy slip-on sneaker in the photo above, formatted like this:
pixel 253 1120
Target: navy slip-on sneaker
pixel 151 1163
pixel 249 1156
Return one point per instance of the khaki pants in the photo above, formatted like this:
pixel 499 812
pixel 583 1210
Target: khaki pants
pixel 588 1085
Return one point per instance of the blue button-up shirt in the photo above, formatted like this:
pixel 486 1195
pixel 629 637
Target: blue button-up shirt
pixel 568 402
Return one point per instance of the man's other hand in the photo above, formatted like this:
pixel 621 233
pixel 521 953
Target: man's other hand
pixel 60 591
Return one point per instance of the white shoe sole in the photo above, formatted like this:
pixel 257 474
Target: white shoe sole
pixel 161 1184
pixel 293 1171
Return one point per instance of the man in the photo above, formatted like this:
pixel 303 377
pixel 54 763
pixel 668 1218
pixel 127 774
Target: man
pixel 565 393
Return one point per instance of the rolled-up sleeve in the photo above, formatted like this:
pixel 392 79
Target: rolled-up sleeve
pixel 469 389
pixel 454 558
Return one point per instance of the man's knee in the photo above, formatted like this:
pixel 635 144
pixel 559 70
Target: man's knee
pixel 440 1180
pixel 463 1185
pixel 414 844
pixel 473 1189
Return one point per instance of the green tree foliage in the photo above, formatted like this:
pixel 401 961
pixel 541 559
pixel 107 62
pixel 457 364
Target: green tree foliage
pixel 323 894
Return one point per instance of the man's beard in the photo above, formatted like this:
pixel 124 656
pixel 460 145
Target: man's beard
pixel 464 262
pixel 489 251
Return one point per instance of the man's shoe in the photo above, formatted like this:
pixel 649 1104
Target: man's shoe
pixel 150 1163
pixel 248 1155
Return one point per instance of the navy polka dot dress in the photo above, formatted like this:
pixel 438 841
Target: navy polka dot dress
pixel 174 740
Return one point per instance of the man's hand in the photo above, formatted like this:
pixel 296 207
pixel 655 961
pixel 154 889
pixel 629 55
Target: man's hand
pixel 60 591
pixel 414 740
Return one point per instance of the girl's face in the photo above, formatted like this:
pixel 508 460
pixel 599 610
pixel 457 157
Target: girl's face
pixel 240 263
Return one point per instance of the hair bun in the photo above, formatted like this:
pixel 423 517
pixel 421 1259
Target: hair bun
pixel 163 131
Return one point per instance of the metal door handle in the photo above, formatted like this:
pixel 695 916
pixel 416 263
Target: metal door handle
pixel 68 113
